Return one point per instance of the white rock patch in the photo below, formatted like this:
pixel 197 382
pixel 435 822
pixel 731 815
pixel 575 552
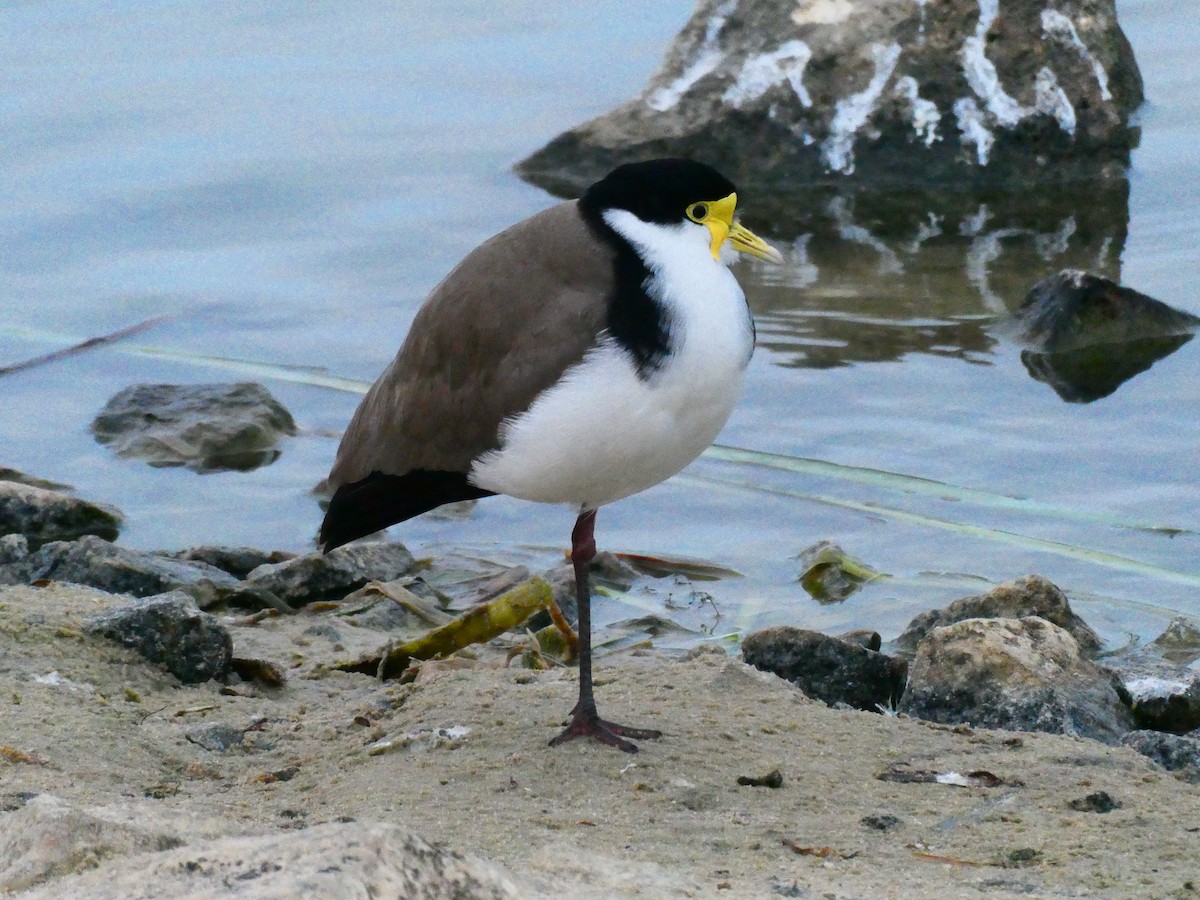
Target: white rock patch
pixel 925 115
pixel 852 112
pixel 1057 26
pixel 973 129
pixel 981 73
pixel 762 72
pixel 1052 100
pixel 822 12
pixel 705 60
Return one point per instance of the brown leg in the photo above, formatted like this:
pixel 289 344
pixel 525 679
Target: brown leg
pixel 585 722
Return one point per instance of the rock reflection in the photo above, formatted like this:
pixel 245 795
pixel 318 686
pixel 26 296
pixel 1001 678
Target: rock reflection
pixel 873 276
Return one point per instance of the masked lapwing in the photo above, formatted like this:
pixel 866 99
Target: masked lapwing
pixel 581 356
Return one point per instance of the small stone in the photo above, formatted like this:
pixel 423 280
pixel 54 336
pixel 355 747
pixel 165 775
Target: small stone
pixel 331 576
pixel 773 779
pixel 1097 802
pixel 170 630
pixel 237 561
pixel 216 737
pixel 883 822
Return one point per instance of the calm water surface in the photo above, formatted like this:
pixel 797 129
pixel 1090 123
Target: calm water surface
pixel 287 186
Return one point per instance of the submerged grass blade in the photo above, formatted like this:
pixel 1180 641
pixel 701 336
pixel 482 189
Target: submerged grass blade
pixel 1083 554
pixel 80 346
pixel 912 484
pixel 294 374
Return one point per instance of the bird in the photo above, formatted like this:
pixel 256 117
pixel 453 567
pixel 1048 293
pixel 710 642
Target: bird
pixel 579 357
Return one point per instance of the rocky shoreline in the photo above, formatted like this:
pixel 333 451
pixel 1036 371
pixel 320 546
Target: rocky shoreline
pixel 210 722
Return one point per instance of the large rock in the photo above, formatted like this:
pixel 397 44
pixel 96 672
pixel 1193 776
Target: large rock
pixel 47 838
pixel 956 93
pixel 171 631
pixel 1031 595
pixel 43 515
pixel 1019 674
pixel 206 427
pixel 340 859
pixel 1087 335
pixel 827 668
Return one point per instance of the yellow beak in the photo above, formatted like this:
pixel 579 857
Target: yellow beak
pixel 721 226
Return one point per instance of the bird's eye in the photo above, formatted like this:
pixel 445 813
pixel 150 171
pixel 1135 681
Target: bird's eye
pixel 697 211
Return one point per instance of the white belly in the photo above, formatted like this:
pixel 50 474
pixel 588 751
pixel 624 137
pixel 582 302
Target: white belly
pixel 602 433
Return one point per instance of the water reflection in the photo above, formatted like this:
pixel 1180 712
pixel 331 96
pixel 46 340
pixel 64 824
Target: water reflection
pixel 873 276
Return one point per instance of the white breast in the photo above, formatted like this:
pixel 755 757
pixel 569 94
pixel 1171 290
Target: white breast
pixel 601 433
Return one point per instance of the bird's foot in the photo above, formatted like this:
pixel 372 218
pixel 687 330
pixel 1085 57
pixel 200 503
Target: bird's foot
pixel 588 724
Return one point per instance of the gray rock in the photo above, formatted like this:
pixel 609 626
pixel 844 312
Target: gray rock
pixel 1164 695
pixel 206 427
pixel 1088 335
pixel 331 860
pixel 170 630
pixel 237 561
pixel 44 515
pixel 784 94
pixel 216 737
pixel 331 576
pixel 1031 595
pixel 1019 674
pixel 1174 753
pixel 827 668
pixel 14 559
pixel 109 567
pixel 1163 704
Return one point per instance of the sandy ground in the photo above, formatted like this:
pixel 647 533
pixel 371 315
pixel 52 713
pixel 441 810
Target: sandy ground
pixel 582 820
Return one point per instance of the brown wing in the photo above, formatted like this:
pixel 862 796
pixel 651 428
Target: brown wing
pixel 496 332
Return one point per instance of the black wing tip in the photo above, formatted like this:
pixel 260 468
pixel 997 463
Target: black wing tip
pixel 379 500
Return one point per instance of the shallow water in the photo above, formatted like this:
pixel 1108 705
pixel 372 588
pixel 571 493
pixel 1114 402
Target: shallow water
pixel 288 186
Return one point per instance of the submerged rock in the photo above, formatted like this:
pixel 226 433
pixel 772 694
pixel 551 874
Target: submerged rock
pixel 43 515
pixel 830 575
pixel 1019 674
pixel 331 576
pixel 170 630
pixel 205 427
pixel 1030 595
pixel 827 668
pixel 1089 335
pixel 953 93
